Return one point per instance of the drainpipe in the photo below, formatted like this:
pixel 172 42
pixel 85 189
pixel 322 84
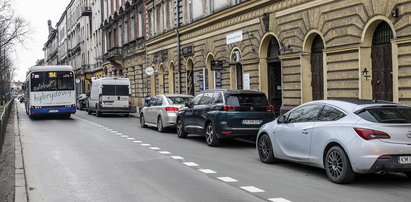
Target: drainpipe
pixel 178 47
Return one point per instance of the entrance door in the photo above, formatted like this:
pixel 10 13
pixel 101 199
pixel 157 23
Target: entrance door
pixel 239 73
pixel 274 88
pixel 381 54
pixel 274 76
pixel 317 80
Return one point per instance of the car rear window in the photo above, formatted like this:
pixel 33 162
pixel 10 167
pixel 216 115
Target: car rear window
pixel 178 100
pixel 386 115
pixel 248 101
pixel 119 90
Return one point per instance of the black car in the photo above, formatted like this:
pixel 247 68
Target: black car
pixel 222 114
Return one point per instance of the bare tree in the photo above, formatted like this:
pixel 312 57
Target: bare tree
pixel 13 29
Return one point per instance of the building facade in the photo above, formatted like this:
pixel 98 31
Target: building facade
pixel 123 34
pixel 293 50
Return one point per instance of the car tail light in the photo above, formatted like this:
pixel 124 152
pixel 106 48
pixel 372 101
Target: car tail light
pixel 226 132
pixel 368 134
pixel 228 108
pixel 171 109
pixel 129 99
pixel 100 98
pixel 270 108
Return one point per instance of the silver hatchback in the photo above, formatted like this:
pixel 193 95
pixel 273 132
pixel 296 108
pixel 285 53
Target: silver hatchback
pixel 344 137
pixel 162 111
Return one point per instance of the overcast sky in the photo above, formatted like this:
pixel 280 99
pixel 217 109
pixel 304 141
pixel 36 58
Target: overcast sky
pixel 36 12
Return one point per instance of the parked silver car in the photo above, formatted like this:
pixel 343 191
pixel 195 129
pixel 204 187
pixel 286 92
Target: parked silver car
pixel 343 137
pixel 162 111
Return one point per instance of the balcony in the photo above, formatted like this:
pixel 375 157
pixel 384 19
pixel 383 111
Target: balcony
pixel 86 11
pixel 114 53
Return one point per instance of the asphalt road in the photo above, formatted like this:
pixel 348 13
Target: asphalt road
pixel 111 158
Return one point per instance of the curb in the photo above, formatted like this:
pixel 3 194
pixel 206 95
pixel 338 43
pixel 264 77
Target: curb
pixel 20 191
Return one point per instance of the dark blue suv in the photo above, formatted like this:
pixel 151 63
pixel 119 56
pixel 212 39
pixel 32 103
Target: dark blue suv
pixel 222 114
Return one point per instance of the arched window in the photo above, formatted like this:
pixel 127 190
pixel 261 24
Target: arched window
pixel 317 68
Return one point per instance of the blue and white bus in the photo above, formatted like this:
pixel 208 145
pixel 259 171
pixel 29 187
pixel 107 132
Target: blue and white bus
pixel 50 90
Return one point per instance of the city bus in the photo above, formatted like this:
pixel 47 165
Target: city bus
pixel 50 90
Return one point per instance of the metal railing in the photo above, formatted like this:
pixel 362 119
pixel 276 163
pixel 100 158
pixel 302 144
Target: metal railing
pixel 3 122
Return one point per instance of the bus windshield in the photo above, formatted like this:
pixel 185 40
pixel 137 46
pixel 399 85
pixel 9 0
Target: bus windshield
pixel 52 81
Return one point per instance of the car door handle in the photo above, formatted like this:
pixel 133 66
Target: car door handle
pixel 304 132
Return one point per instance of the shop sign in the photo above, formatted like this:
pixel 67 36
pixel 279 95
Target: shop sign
pixel 216 65
pixel 218 79
pixel 234 37
pixel 187 50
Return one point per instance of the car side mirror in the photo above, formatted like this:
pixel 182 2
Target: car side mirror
pixel 281 120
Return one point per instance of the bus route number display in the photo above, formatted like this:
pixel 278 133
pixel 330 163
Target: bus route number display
pixel 52 74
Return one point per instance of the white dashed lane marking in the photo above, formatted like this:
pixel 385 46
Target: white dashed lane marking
pixel 278 200
pixel 227 179
pixel 207 171
pixel 252 189
pixel 191 164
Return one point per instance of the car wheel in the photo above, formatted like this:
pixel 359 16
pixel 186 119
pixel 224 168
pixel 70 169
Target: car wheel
pixel 142 121
pixel 126 115
pixel 160 127
pixel 338 166
pixel 265 149
pixel 180 129
pixel 88 110
pixel 211 138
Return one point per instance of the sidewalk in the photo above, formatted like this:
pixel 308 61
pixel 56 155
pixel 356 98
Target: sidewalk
pixel 7 161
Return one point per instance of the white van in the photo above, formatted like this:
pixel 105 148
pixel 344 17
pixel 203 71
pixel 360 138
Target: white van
pixel 110 95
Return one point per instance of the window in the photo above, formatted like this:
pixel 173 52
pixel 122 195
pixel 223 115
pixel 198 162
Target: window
pixel 119 90
pixel 386 115
pixel 159 101
pixel 218 98
pixel 243 100
pixel 196 100
pixel 330 114
pixel 125 32
pixel 178 100
pixel 132 21
pixel 119 37
pixel 207 99
pixel 304 114
pixel 140 24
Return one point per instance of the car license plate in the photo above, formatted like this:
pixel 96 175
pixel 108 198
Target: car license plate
pixel 53 111
pixel 252 122
pixel 404 159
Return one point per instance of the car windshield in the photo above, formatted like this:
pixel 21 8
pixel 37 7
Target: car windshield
pixel 178 100
pixel 386 115
pixel 244 100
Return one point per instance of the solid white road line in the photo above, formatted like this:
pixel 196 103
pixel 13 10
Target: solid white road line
pixel 207 171
pixel 191 164
pixel 252 189
pixel 278 200
pixel 227 179
pixel 164 152
pixel 177 157
pixel 154 148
